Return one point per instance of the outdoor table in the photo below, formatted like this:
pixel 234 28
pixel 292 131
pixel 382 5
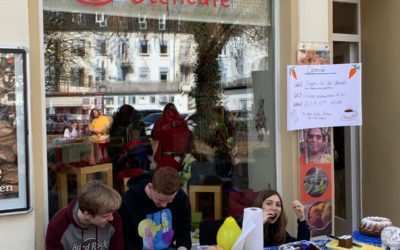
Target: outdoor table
pixel 83 175
pixel 216 190
pixel 79 150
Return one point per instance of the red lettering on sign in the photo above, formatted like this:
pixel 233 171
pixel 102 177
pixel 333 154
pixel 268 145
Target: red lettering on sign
pixel 204 2
pixel 223 3
pixel 95 2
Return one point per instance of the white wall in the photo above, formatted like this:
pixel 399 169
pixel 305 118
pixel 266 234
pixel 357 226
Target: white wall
pixel 313 21
pixel 14 22
pixel 381 120
pixel 17 231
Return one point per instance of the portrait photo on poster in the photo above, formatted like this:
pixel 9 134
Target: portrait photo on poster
pixel 315 145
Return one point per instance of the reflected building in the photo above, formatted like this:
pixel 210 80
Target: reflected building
pixel 142 62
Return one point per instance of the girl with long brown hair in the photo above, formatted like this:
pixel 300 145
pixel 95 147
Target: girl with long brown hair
pixel 275 219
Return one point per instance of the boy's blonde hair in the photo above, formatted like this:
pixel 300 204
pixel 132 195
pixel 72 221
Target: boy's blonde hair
pixel 97 199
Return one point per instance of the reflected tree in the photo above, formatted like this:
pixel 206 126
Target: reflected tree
pixel 211 38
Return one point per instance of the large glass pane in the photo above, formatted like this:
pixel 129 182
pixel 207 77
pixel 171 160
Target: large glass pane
pixel 344 52
pixel 214 63
pixel 345 18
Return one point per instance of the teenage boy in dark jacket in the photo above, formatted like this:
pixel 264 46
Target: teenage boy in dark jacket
pixel 89 222
pixel 156 213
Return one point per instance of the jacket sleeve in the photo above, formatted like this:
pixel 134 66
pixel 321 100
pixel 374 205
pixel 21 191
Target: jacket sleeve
pixel 183 224
pixel 53 238
pixel 55 230
pixel 129 234
pixel 303 232
pixel 117 240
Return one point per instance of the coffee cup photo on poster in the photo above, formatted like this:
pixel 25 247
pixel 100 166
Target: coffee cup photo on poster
pixel 349 114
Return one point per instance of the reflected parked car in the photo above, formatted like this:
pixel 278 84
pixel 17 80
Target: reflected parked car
pixel 149 121
pixel 143 113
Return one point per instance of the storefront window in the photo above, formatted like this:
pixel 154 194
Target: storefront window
pixel 214 62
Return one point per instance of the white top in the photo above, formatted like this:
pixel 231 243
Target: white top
pixel 71 134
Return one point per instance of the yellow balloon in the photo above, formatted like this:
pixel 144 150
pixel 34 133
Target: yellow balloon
pixel 228 233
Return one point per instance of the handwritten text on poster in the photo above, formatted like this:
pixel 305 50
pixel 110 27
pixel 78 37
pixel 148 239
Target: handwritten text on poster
pixel 324 96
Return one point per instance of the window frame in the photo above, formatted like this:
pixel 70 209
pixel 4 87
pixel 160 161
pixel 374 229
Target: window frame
pixel 164 72
pixel 140 74
pixel 144 47
pixel 164 48
pixel 78 47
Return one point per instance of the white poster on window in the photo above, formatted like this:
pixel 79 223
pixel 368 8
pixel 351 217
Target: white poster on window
pixel 324 96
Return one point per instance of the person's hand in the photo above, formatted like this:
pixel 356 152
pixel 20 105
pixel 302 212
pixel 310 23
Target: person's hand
pixel 268 216
pixel 298 209
pixel 123 155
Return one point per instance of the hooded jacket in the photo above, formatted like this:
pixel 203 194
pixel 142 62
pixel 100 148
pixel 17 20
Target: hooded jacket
pixel 147 226
pixel 63 232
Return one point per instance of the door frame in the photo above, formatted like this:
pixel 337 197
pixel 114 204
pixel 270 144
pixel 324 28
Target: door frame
pixel 353 136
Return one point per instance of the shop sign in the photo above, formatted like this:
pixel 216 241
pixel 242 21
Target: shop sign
pixel 214 3
pixel 245 12
pixel 95 2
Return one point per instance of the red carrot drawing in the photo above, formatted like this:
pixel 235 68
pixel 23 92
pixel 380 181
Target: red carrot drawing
pixel 353 71
pixel 293 73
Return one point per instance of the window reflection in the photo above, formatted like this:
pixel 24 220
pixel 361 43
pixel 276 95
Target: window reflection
pixel 217 75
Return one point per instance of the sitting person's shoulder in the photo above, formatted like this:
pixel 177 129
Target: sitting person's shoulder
pixel 181 198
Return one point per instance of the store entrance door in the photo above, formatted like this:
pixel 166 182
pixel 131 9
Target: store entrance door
pixel 347 158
